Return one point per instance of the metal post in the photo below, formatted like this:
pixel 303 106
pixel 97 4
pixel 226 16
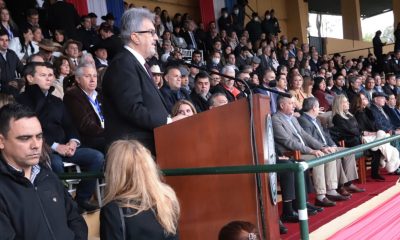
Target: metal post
pixel 301 201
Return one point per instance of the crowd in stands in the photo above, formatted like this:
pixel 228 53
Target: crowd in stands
pixel 53 62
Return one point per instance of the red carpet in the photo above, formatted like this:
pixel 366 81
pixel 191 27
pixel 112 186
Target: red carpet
pixel 373 188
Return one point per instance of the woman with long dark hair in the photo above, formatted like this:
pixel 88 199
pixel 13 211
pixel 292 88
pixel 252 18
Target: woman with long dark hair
pixel 23 45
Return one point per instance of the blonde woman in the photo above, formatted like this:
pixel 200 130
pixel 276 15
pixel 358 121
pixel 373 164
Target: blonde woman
pixel 296 89
pixel 138 205
pixel 183 107
pixel 346 128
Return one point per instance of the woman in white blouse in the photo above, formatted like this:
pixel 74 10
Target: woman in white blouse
pixel 23 45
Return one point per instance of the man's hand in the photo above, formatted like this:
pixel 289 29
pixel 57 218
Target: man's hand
pixel 13 84
pixel 72 147
pixel 178 117
pixel 63 150
pixel 317 153
pixel 328 150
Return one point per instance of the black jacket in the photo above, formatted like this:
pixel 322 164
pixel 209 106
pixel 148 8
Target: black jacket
pixel 8 68
pixel 143 226
pixel 63 15
pixel 347 130
pixel 173 96
pixel 199 102
pixel 133 105
pixel 56 122
pixel 29 211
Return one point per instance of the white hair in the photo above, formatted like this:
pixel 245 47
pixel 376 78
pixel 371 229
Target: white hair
pixel 132 21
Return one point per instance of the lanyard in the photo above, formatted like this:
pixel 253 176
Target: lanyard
pixel 97 106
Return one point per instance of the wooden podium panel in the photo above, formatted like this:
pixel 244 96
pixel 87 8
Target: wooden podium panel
pixel 218 137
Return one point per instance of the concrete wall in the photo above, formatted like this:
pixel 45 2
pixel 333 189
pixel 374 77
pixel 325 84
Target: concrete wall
pixel 333 45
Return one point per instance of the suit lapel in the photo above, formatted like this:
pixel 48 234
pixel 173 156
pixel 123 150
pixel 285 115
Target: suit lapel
pixel 150 81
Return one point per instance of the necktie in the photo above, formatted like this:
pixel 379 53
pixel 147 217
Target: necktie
pixel 75 62
pixel 146 65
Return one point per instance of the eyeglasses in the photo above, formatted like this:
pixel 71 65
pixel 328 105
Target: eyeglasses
pixel 152 32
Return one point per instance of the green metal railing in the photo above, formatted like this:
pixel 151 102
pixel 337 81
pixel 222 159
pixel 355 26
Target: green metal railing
pixel 298 168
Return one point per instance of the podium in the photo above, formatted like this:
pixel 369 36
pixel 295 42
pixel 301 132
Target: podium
pixel 218 137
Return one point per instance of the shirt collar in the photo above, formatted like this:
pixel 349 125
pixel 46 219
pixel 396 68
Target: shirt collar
pixel 137 55
pixel 94 95
pixel 287 117
pixel 310 117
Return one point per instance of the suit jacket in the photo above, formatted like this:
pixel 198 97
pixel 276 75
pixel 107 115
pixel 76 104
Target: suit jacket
pixel 133 105
pixel 199 102
pixel 346 129
pixel 188 39
pixel 388 90
pixel 394 67
pixel 287 140
pixel 394 116
pixel 381 122
pixel 266 62
pixel 84 118
pixel 308 126
pixel 63 15
pixel 8 69
pixel 173 96
pixel 113 44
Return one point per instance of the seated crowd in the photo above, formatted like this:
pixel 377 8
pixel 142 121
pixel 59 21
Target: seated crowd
pixel 56 73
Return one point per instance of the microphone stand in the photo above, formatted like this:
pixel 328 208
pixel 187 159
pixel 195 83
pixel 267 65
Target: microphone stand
pixel 252 134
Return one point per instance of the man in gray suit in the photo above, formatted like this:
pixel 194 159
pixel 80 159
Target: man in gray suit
pixel 346 167
pixel 290 136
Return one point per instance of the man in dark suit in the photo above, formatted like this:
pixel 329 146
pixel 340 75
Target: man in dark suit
pixel 394 63
pixel 392 112
pixel 84 106
pixel 172 90
pixel 110 41
pixel 201 92
pixel 9 65
pixel 346 167
pixel 189 35
pixel 86 34
pixel 390 86
pixel 133 105
pixel 63 15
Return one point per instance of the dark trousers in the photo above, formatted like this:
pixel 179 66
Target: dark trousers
pixel 287 181
pixel 89 160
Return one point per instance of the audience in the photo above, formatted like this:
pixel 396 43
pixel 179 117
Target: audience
pixel 257 54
